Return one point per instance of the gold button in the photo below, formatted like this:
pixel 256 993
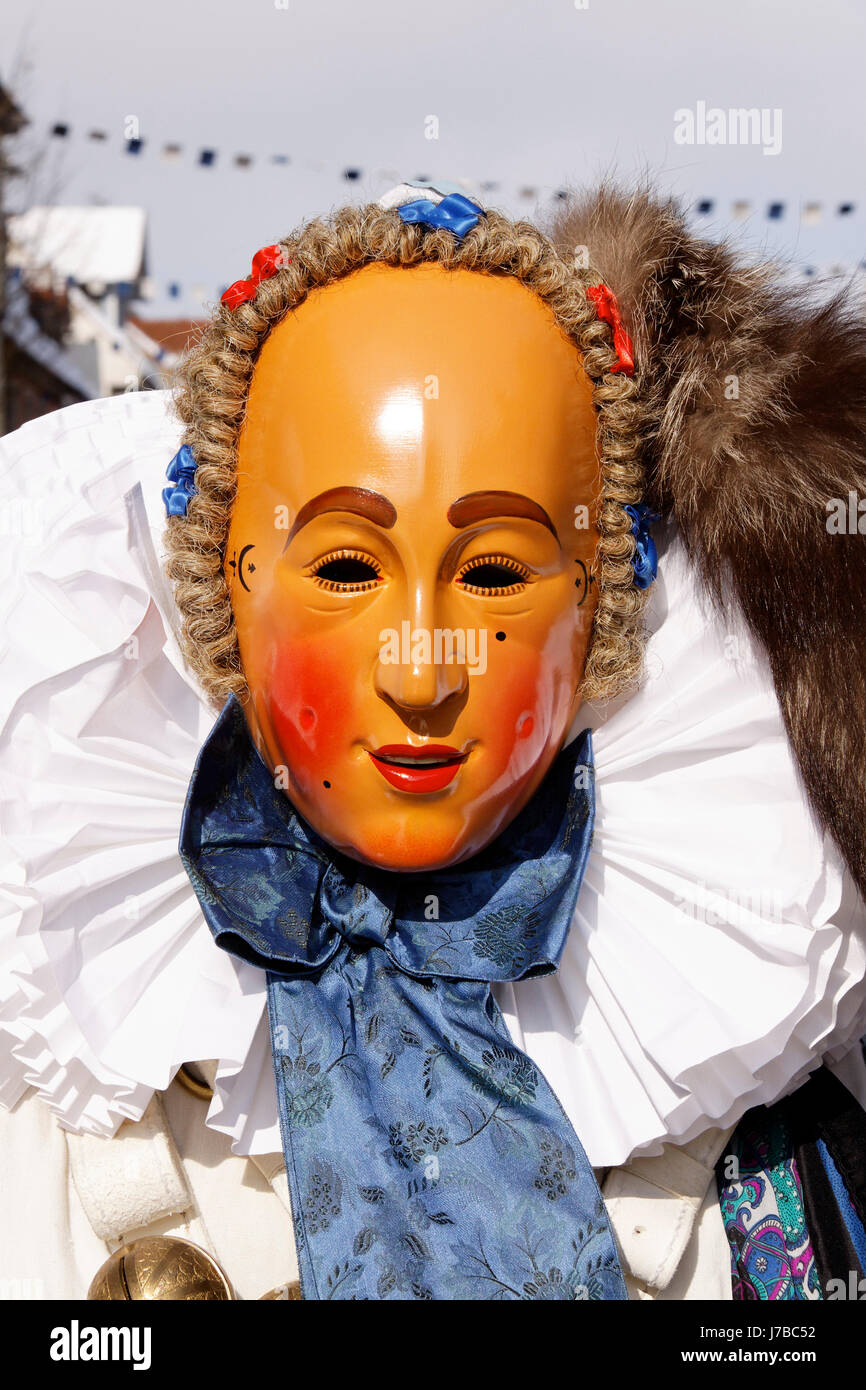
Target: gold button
pixel 160 1267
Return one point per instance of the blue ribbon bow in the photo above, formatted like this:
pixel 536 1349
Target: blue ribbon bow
pixel 645 560
pixel 181 472
pixel 428 1158
pixel 456 213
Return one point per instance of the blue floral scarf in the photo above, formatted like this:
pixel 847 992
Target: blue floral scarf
pixel 427 1156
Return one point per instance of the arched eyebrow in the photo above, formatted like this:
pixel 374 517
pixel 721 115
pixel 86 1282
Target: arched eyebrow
pixel 359 500
pixel 478 506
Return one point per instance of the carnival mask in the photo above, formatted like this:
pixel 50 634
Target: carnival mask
pixel 410 558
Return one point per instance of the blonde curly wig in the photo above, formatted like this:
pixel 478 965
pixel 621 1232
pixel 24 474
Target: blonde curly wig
pixel 214 379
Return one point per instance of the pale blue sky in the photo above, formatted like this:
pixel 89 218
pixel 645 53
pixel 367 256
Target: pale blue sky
pixel 535 93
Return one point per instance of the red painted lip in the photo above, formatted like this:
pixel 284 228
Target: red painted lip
pixel 427 776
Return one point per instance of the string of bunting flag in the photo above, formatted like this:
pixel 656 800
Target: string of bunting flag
pixel 135 146
pixel 208 158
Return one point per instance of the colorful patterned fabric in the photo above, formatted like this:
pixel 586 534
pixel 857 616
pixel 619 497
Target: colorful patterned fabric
pixel 762 1207
pixel 428 1158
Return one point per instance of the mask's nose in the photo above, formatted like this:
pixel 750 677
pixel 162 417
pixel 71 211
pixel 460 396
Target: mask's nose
pixel 422 662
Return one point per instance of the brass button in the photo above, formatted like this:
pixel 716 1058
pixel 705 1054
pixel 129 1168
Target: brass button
pixel 282 1291
pixel 160 1267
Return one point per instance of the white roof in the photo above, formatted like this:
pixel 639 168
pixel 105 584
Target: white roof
pixel 93 245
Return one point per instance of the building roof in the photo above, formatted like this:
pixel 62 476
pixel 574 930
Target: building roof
pixel 91 245
pixel 173 335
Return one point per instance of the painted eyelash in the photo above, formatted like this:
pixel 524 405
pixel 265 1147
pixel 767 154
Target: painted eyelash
pixel 332 586
pixel 505 562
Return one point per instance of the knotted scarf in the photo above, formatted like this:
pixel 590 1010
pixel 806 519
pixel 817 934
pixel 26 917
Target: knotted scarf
pixel 427 1156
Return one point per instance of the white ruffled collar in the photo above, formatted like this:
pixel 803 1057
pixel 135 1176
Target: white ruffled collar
pixel 718 951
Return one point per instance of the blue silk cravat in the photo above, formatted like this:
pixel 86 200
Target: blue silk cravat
pixel 427 1156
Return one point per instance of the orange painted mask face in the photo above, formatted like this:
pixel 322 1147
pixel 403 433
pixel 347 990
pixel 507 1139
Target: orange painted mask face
pixel 410 557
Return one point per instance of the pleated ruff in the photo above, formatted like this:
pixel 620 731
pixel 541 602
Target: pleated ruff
pixel 717 954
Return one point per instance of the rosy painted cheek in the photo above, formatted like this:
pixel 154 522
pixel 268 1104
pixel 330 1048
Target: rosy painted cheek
pixel 313 693
pixel 516 721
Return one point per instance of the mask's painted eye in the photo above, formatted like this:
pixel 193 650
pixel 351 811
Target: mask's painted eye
pixel 346 572
pixel 493 575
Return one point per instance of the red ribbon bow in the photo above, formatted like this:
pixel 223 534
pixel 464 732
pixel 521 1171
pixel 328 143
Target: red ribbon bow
pixel 265 264
pixel 608 311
